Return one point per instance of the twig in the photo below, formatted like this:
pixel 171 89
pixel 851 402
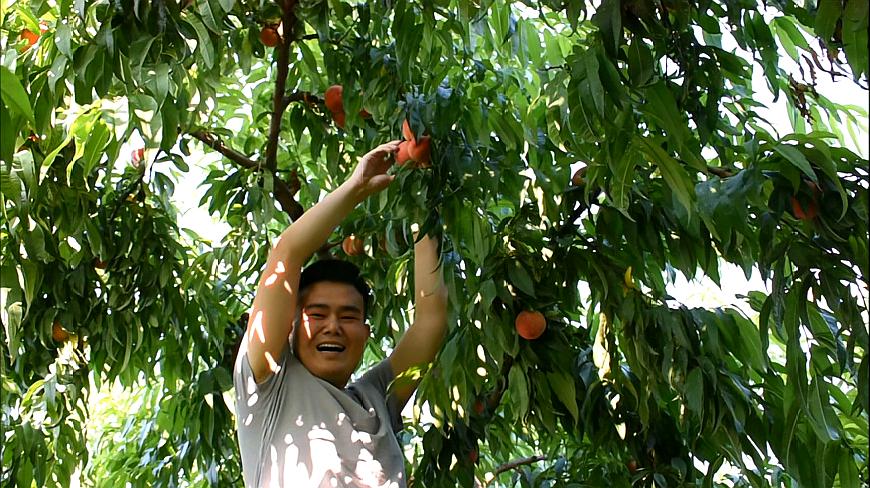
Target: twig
pixel 514 465
pixel 551 68
pixel 720 171
pixel 323 251
pixel 229 153
pixel 306 97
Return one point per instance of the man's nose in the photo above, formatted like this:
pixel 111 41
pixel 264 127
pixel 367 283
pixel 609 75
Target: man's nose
pixel 332 325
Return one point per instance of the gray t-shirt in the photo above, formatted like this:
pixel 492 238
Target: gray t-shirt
pixel 297 430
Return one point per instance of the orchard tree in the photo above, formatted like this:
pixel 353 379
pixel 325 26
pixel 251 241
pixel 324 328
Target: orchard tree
pixel 573 158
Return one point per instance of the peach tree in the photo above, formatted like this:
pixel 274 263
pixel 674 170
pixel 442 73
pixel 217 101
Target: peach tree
pixel 581 156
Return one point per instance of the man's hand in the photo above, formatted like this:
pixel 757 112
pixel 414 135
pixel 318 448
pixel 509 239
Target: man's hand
pixel 370 175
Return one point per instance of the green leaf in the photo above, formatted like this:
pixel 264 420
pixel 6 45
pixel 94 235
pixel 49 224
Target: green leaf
pixel 795 357
pixel 227 5
pixel 818 406
pixel 790 36
pixel 521 279
pixel 854 37
pixel 56 73
pixel 623 166
pixel 161 83
pixel 827 15
pixel 662 108
pixel 745 339
pixel 29 279
pixel 596 89
pixel 863 398
pixel 563 386
pixel 14 96
pixel 608 19
pixel 203 45
pixel 8 135
pixel 519 391
pixel 62 39
pixel 208 18
pixel 95 239
pixel 10 184
pixel 640 62
pixel 695 391
pixel 82 130
pixel 797 158
pixel 673 173
pixel 848 472
pixel 96 140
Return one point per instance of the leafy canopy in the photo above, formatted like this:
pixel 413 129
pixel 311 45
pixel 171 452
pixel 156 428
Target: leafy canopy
pixel 582 157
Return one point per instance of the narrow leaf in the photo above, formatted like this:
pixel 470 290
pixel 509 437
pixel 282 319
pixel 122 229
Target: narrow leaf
pixel 563 386
pixel 14 95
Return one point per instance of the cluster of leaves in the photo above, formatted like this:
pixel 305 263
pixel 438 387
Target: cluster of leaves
pixel 680 172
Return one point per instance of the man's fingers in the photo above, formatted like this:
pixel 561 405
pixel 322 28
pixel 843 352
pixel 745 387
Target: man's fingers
pixel 391 146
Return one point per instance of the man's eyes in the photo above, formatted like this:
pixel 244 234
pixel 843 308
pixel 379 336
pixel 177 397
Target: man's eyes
pixel 321 316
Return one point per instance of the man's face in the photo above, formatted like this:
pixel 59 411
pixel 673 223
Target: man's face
pixel 331 334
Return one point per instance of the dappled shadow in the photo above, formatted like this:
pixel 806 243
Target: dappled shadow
pixel 297 430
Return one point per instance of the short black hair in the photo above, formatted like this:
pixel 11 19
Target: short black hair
pixel 337 271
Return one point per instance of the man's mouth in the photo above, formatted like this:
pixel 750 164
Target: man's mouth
pixel 330 347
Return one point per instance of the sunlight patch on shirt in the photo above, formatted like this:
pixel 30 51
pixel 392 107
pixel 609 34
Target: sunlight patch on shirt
pixel 363 437
pixel 295 473
pixel 370 469
pixel 324 455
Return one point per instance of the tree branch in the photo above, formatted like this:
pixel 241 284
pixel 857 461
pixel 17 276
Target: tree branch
pixel 216 144
pixel 514 465
pixel 284 191
pixel 303 96
pixel 289 21
pixel 720 171
pixel 551 68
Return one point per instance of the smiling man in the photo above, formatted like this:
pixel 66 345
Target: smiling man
pixel 300 424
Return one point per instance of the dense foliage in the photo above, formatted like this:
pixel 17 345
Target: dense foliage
pixel 583 154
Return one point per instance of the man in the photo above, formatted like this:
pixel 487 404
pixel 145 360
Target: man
pixel 299 423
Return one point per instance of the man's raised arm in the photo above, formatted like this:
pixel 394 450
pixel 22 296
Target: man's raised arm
pixel 274 308
pixel 424 338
